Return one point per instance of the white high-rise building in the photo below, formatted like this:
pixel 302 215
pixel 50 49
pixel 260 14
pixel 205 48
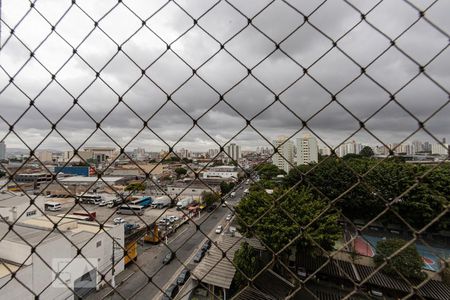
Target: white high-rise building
pixel 2 150
pixel 284 158
pixel 307 150
pixel 233 151
pixel 349 148
pixel 439 149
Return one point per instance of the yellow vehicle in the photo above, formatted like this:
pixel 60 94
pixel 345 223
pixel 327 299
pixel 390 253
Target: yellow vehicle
pixel 131 254
pixel 152 236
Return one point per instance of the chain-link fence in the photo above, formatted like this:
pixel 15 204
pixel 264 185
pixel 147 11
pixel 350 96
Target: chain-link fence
pixel 86 87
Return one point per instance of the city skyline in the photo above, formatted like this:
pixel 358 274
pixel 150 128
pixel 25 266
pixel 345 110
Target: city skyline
pixel 253 92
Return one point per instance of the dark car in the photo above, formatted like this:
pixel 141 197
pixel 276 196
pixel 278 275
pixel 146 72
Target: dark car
pixel 206 245
pixel 211 208
pixel 198 257
pixel 168 258
pixel 171 292
pixel 184 275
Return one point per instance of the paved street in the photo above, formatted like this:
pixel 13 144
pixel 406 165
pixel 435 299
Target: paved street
pixel 185 243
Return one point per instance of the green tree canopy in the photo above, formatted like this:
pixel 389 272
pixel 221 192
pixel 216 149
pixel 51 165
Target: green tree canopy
pixel 268 171
pixel 248 263
pixel 209 198
pixel 138 186
pixel 226 187
pixel 382 182
pixel 284 222
pixel 407 262
pixel 366 152
pixel 180 171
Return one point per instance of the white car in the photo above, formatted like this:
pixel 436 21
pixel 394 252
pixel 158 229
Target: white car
pixel 119 221
pixel 228 218
pixel 103 203
pixel 219 229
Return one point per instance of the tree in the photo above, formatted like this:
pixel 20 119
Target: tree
pixel 134 187
pixel 268 171
pixel 226 187
pixel 248 263
pixel 366 152
pixel 209 198
pixel 351 156
pixel 283 220
pixel 382 182
pixel 180 171
pixel 407 262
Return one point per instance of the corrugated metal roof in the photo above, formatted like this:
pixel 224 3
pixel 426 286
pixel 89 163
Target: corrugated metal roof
pixel 217 269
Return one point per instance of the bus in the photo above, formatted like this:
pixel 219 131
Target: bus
pixel 52 206
pixel 129 209
pixel 90 199
pixel 145 201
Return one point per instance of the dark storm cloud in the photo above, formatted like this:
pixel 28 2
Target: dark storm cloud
pixel 121 75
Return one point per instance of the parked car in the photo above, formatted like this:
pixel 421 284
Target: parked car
pixel 172 218
pixel 170 292
pixel 206 245
pixel 119 220
pixel 184 275
pixel 198 257
pixel 233 194
pixel 211 208
pixel 219 229
pixel 224 204
pixel 164 221
pixel 229 216
pixel 103 203
pixel 168 258
pixel 301 272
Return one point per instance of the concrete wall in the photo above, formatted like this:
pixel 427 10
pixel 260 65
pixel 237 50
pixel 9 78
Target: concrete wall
pixel 23 211
pixel 15 252
pixel 13 289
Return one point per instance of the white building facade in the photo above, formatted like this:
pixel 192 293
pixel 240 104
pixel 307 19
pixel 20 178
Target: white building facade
pixel 439 149
pixel 52 253
pixel 17 206
pixel 284 157
pixel 233 151
pixel 221 172
pixel 307 150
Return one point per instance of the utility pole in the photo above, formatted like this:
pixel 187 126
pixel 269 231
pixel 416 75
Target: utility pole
pixel 113 271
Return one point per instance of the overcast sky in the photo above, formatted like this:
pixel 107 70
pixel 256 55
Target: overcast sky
pixel 273 72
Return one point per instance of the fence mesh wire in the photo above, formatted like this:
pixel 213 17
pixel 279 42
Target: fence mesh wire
pixel 321 273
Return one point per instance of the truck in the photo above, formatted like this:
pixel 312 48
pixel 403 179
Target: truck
pixel 161 202
pixel 184 203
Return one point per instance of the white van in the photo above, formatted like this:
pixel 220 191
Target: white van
pixel 52 206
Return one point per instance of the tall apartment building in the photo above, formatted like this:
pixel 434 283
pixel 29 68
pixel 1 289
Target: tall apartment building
pixel 349 148
pixel 233 151
pixel 2 150
pixel 307 150
pixel 212 153
pixel 439 149
pixel 45 156
pixel 284 158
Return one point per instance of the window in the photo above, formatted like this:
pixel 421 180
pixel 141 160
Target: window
pixel 31 213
